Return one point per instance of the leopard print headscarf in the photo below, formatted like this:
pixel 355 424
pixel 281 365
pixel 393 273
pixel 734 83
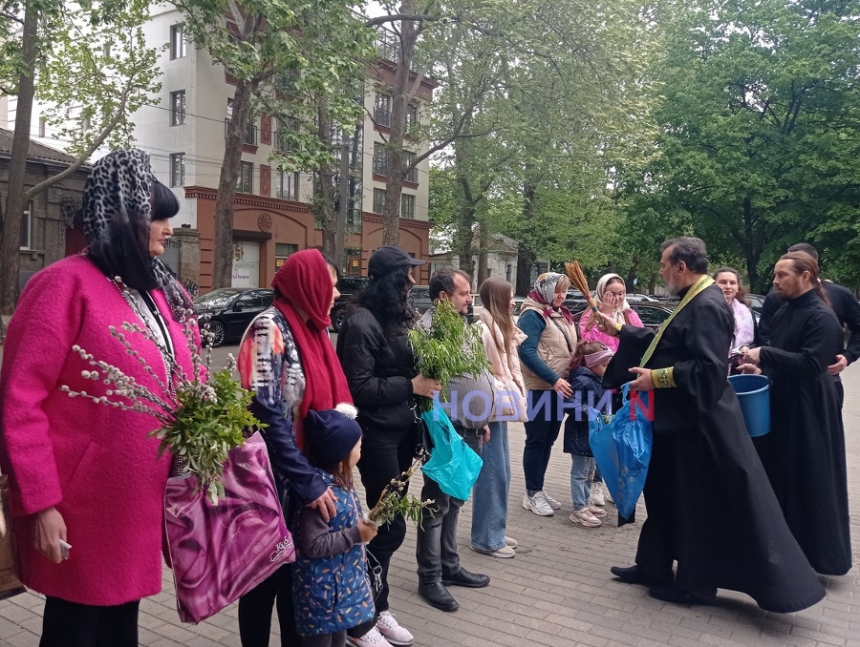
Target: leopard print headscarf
pixel 117 215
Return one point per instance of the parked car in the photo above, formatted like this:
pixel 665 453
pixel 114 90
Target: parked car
pixel 348 286
pixel 228 311
pixel 651 314
pixel 756 303
pixel 419 298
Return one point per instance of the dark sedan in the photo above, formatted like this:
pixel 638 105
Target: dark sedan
pixel 230 310
pixel 651 314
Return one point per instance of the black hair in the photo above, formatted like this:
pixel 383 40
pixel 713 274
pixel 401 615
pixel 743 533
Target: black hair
pixel 692 251
pixel 330 262
pixel 443 281
pixel 163 201
pixel 386 297
pixel 806 248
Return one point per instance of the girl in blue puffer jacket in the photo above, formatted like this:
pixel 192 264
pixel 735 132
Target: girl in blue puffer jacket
pixel 587 365
pixel 330 589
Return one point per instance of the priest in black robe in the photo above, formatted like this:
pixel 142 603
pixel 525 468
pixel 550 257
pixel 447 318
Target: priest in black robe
pixel 710 506
pixel 804 454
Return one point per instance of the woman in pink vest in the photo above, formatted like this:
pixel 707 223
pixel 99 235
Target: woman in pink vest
pixel 85 474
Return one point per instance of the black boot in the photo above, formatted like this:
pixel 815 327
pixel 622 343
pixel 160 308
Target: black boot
pixel 635 575
pixel 437 596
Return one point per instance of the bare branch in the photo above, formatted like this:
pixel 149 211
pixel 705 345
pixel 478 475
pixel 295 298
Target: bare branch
pixel 397 17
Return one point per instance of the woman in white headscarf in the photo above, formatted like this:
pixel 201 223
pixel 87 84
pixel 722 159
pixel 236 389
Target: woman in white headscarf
pixel 612 301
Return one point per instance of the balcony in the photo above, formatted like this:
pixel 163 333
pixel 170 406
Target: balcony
pixel 250 133
pixel 380 165
pixel 382 117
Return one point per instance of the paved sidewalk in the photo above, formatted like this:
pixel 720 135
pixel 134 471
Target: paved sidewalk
pixel 556 592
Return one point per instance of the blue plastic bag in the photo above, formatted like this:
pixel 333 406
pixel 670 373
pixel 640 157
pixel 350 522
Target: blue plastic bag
pixel 453 464
pixel 622 450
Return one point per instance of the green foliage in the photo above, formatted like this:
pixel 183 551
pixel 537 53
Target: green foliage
pixel 393 502
pixel 296 58
pixel 447 348
pixel 207 425
pixel 758 107
pixel 93 67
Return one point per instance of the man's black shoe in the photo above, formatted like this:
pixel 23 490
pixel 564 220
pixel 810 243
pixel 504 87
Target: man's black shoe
pixel 671 593
pixel 632 575
pixel 467 579
pixel 437 596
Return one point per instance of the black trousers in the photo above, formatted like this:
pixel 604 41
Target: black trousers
pixel 69 624
pixel 255 611
pixel 385 454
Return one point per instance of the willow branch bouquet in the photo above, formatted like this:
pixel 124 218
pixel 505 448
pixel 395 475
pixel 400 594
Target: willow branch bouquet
pixel 447 349
pixel 393 501
pixel 200 420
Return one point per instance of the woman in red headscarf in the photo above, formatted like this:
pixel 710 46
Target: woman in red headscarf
pixel 287 359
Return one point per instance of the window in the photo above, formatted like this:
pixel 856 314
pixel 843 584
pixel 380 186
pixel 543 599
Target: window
pixel 42 126
pixel 409 159
pixel 177 108
pixel 177 42
pixel 509 271
pixel 283 138
pixel 411 118
pixel 27 228
pixel 379 200
pixel 407 206
pixel 282 252
pixel 286 185
pixel 86 123
pixel 177 169
pixel 380 159
pixel 245 184
pixel 106 50
pixel 382 110
pixel 250 129
pixel 229 109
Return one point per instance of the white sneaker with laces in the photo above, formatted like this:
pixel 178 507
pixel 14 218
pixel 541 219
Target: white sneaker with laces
pixel 392 631
pixel 371 639
pixel 607 494
pixel 537 504
pixel 555 505
pixel 597 497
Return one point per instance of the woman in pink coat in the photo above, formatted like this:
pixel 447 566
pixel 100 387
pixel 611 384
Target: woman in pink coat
pixel 81 472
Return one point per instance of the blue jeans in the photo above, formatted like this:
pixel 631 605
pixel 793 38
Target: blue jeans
pixel 580 487
pixel 541 434
pixel 490 494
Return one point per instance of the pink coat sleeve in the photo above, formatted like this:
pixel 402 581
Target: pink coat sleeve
pixel 38 341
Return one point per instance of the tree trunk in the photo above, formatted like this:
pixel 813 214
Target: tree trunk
pixel 10 231
pixel 324 200
pixel 526 257
pixel 483 274
pixel 399 96
pixel 345 204
pixel 222 271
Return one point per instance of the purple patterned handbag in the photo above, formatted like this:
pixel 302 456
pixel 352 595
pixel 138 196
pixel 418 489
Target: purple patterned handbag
pixel 219 553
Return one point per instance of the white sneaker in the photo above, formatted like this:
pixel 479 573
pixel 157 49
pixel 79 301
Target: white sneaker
pixel 555 505
pixel 607 494
pixel 371 639
pixel 505 552
pixel 597 512
pixel 511 542
pixel 597 497
pixel 392 631
pixel 585 518
pixel 537 504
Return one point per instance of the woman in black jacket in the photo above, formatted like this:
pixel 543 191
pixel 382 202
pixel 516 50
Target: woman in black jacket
pixel 380 369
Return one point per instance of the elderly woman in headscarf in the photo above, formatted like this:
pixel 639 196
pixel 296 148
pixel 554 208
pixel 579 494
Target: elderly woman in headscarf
pixel 612 301
pixel 83 474
pixel 544 356
pixel 288 360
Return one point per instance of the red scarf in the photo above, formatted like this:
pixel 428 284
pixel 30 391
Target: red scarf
pixel 304 282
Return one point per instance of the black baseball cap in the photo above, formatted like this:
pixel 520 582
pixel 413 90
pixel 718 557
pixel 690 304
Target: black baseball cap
pixel 389 258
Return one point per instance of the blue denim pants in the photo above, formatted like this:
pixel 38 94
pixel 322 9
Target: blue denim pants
pixel 490 494
pixel 580 486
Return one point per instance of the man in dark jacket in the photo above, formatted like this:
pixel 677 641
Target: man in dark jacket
pixel 468 395
pixel 846 308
